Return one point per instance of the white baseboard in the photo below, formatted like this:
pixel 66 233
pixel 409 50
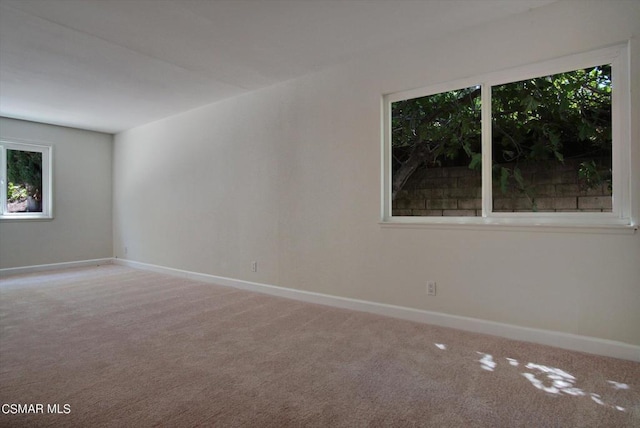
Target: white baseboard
pixel 54 266
pixel 591 345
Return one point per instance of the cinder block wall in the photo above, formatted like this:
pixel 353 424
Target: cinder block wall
pixel 456 191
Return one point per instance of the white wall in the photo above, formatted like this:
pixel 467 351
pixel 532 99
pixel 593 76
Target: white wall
pixel 82 182
pixel 290 176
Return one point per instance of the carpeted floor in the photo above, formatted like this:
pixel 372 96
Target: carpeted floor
pixel 114 346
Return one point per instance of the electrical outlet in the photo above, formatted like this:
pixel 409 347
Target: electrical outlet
pixel 431 288
pixel 126 250
pixel 254 266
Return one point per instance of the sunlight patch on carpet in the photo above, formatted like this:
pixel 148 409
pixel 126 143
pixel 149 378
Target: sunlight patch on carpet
pixel 551 380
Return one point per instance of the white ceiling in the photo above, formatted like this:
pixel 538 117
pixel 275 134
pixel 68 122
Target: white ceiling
pixel 110 65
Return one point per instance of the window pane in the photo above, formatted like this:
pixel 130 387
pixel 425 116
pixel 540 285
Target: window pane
pixel 24 181
pixel 552 143
pixel 436 159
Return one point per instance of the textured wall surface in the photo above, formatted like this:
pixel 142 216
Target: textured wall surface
pixel 289 176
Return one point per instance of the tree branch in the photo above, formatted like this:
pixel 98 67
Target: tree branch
pixel 419 154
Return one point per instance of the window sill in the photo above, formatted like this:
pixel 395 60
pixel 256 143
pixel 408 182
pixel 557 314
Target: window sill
pixel 16 218
pixel 483 224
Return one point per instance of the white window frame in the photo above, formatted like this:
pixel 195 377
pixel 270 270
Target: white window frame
pixel 618 57
pixel 47 180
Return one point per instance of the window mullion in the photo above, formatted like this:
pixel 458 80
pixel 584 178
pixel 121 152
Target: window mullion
pixel 487 197
pixel 620 128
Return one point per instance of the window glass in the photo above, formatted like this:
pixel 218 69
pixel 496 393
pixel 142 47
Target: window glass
pixel 552 143
pixel 24 181
pixel 436 154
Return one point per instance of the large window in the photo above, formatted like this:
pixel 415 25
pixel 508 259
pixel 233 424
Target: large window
pixel 543 144
pixel 25 176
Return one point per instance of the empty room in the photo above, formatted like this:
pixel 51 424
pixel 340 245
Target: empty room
pixel 320 213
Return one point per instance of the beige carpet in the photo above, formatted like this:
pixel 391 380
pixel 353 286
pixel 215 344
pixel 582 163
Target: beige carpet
pixel 124 348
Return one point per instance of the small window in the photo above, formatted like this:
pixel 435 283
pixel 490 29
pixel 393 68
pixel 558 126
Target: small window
pixel 543 144
pixel 25 177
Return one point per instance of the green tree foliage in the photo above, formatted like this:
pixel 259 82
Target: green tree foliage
pixel 436 130
pixel 16 193
pixel 24 169
pixel 551 118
